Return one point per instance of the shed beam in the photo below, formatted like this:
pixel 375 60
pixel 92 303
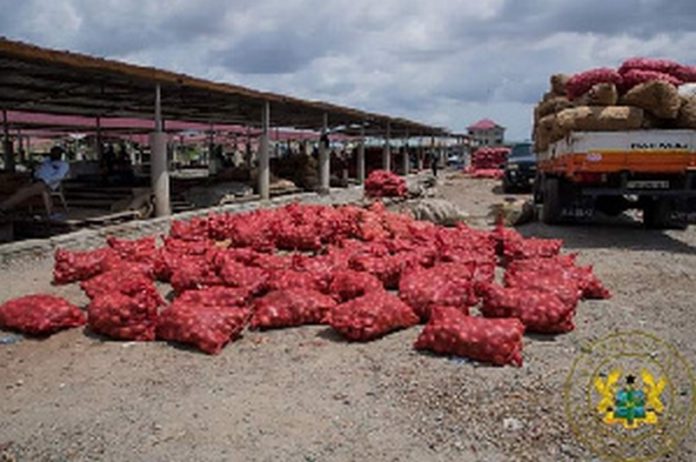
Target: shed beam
pixel 7 144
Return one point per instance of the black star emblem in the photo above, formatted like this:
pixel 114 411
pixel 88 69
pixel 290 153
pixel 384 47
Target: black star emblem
pixel 630 380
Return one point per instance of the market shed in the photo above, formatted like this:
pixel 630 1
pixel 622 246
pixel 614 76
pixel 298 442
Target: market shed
pixel 42 80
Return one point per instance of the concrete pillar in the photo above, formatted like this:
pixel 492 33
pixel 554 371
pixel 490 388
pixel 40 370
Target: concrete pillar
pixel 386 153
pixel 361 157
pixel 324 160
pixel 420 154
pixel 264 154
pixel 98 147
pixel 8 147
pixel 159 171
pixel 406 161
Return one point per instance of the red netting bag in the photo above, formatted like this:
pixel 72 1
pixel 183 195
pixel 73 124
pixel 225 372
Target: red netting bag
pixel 580 83
pixel 290 307
pixel 449 331
pixel 348 284
pixel 77 266
pixel 539 311
pixel 122 317
pixel 208 328
pixel 40 314
pixel 447 284
pixel 371 316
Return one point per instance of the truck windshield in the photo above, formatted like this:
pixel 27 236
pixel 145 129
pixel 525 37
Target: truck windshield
pixel 521 150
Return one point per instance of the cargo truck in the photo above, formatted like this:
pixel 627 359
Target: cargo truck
pixel 613 171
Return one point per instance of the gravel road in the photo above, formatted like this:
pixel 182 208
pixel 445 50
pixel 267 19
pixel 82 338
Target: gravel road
pixel 305 395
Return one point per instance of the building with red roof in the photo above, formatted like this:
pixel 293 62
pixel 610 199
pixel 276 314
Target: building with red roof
pixel 486 132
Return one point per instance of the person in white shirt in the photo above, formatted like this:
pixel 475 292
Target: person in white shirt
pixel 47 178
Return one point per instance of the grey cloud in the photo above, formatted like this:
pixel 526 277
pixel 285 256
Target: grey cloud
pixel 444 61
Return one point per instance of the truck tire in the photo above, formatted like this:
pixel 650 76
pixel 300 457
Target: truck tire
pixel 507 187
pixel 551 205
pixel 537 193
pixel 658 214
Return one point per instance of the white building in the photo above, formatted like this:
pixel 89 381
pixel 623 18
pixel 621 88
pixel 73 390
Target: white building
pixel 486 132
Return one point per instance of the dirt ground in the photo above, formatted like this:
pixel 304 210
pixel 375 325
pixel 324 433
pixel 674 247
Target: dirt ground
pixel 304 395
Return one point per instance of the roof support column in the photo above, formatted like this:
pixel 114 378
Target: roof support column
pixel 420 154
pixel 406 159
pixel 324 160
pixel 361 156
pixel 386 153
pixel 159 174
pixel 8 148
pixel 98 146
pixel 264 180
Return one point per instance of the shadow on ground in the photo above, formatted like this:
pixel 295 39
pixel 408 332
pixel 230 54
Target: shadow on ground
pixel 621 232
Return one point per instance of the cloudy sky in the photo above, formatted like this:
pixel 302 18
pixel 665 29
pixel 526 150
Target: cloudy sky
pixel 446 62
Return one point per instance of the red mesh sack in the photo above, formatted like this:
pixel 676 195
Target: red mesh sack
pixel 382 183
pixel 133 284
pixel 195 229
pixel 289 236
pixel 489 159
pixel 490 173
pixel 253 230
pixel 664 66
pixel 321 266
pixel 444 284
pixel 78 266
pixel 184 247
pixel 40 314
pixel 291 279
pixel 291 307
pixel 138 250
pixel 686 74
pixel 235 274
pixel 122 317
pixel 385 268
pixel 166 262
pixel 636 76
pixel 579 84
pixel 194 274
pixel 371 316
pixel 208 328
pixel 348 284
pixel 539 311
pixel 501 234
pixel 567 289
pixel 217 296
pixel 449 331
pixel 519 249
pixel 563 266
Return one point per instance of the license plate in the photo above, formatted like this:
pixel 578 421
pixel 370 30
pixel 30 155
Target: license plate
pixel 648 184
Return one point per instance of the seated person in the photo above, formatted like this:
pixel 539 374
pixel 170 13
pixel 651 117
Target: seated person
pixel 47 178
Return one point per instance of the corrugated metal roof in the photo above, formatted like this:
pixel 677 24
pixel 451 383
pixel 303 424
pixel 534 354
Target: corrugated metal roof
pixel 49 81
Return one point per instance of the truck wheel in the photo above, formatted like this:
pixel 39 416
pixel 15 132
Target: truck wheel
pixel 658 214
pixel 551 206
pixel 537 193
pixel 507 187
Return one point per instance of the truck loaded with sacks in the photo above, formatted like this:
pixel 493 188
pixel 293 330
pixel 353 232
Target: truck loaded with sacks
pixel 611 140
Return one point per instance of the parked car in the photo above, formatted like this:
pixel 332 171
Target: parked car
pixel 520 169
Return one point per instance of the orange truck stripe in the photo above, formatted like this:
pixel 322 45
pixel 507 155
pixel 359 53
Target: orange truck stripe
pixel 673 161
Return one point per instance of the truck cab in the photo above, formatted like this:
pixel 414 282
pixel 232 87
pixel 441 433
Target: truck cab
pixel 519 169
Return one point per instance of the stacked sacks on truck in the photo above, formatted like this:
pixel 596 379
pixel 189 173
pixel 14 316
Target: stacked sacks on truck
pixel 641 93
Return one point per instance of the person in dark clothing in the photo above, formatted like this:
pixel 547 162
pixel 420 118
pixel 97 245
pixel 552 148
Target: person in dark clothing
pixel 433 162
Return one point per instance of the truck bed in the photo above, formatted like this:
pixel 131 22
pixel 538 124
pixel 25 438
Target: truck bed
pixel 639 151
